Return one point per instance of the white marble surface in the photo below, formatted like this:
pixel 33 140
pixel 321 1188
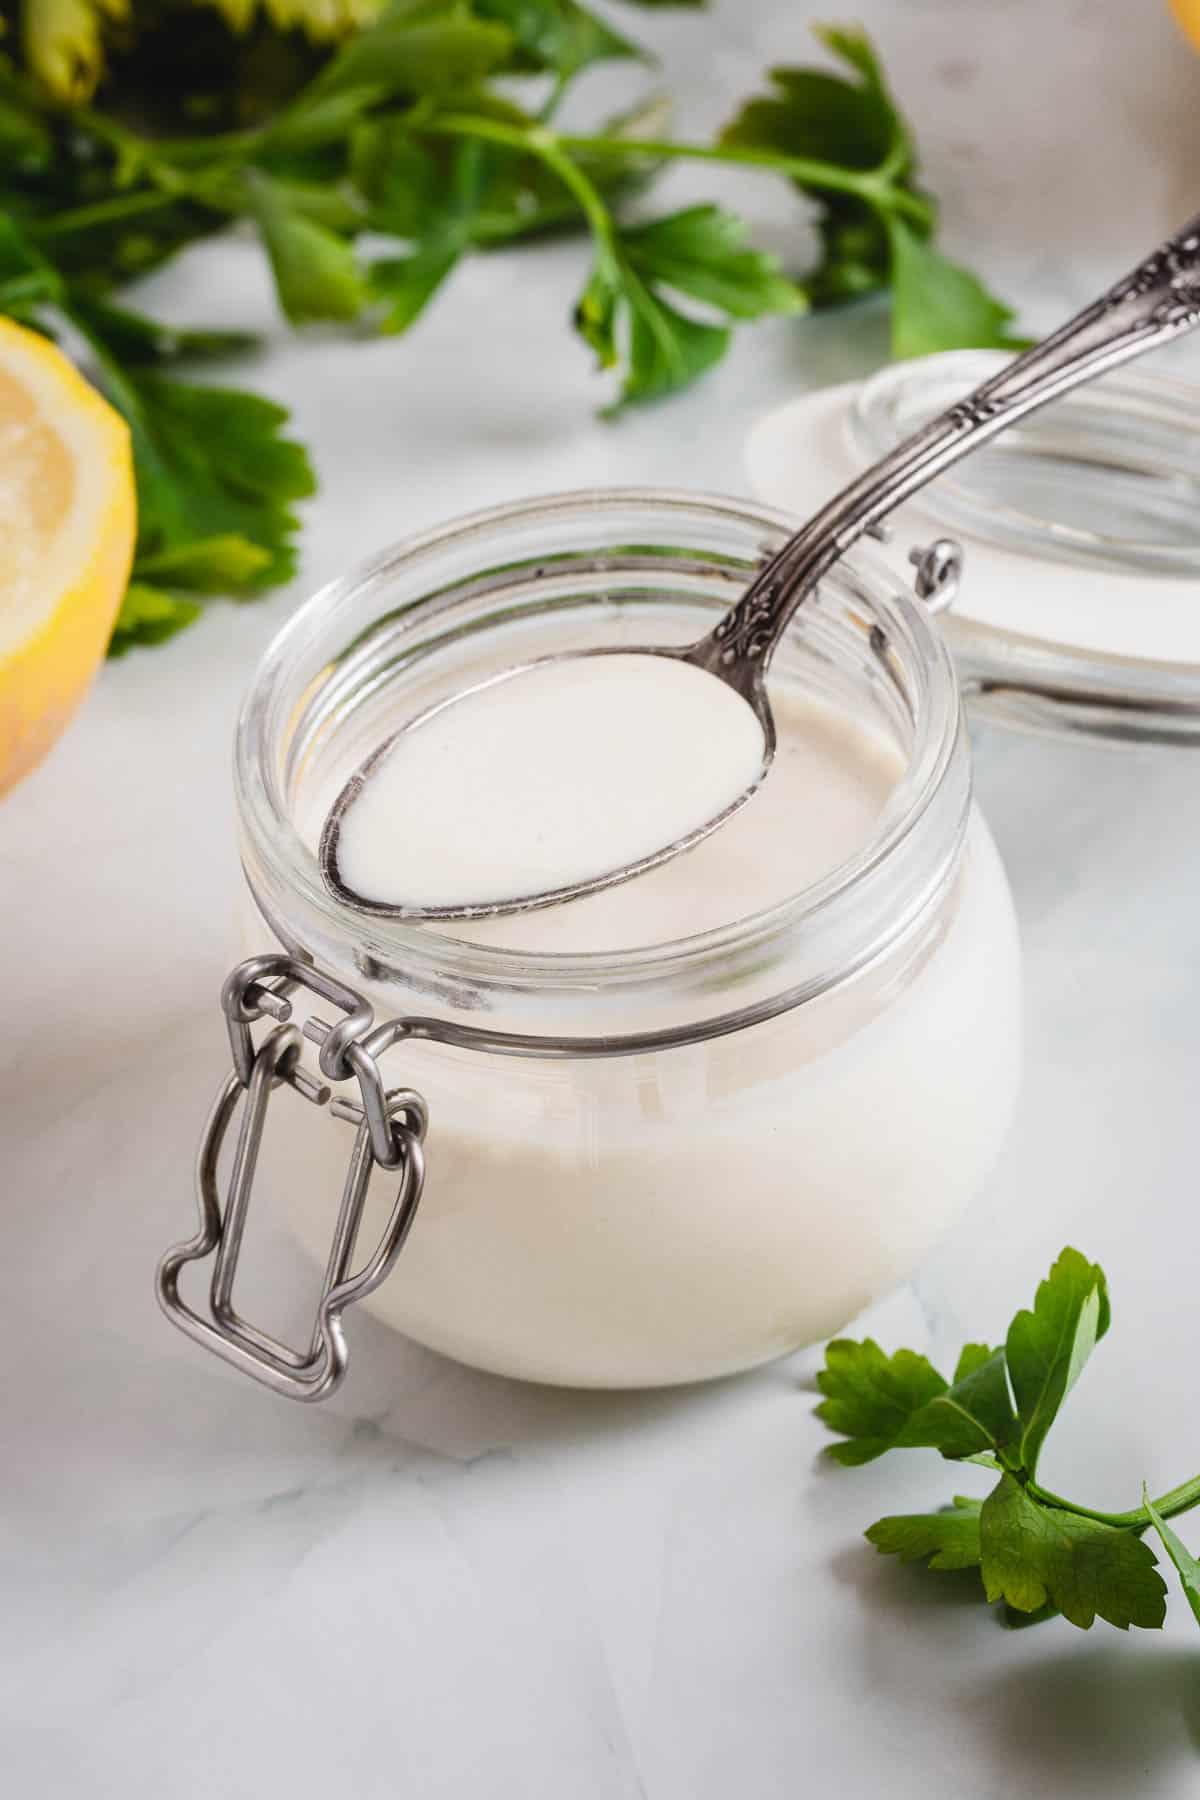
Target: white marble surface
pixel 447 1586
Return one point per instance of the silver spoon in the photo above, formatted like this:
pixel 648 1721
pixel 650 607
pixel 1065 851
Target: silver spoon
pixel 1158 301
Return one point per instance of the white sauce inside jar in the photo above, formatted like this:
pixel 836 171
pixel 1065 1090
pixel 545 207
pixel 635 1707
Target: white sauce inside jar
pixel 670 1216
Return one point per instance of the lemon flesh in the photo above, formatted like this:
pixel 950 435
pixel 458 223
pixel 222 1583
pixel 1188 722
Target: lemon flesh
pixel 67 528
pixel 1187 14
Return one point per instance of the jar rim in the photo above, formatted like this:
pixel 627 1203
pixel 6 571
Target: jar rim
pixel 285 865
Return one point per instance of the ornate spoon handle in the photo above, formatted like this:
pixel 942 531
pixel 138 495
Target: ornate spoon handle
pixel 1159 300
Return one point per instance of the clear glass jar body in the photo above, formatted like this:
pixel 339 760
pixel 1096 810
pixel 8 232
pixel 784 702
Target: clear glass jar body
pixel 668 1163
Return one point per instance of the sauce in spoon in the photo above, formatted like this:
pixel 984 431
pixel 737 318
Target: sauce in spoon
pixel 544 778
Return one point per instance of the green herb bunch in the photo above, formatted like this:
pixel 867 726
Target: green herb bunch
pixel 1038 1553
pixel 372 147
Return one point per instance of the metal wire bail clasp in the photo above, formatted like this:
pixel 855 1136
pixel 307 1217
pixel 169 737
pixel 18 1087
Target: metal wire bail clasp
pixel 391 1128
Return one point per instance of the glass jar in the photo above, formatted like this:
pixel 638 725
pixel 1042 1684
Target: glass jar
pixel 670 1162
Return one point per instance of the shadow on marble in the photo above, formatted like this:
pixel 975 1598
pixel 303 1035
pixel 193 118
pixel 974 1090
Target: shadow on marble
pixel 414 1396
pixel 1106 1710
pixel 905 1591
pixel 1110 1714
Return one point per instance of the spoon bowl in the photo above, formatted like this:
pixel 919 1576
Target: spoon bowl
pixel 534 747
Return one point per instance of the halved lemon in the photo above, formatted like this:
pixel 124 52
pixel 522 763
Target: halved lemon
pixel 67 526
pixel 1187 12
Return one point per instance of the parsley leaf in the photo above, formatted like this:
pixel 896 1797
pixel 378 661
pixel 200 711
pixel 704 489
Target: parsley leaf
pixel 399 177
pixel 815 114
pixel 1032 1555
pixel 948 1539
pixel 148 616
pixel 435 205
pixel 558 34
pixel 703 252
pixel 663 349
pixel 215 482
pixel 874 234
pixel 1180 1555
pixel 847 124
pixel 216 479
pixel 213 463
pixel 406 284
pixel 26 277
pixel 313 121
pixel 137 339
pixel 417 49
pixel 25 142
pixel 1037 1553
pixel 872 1398
pixel 974 1416
pixel 883 1403
pixel 1048 1347
pixel 856 255
pixel 937 304
pixel 213 564
pixel 700 254
pixel 316 274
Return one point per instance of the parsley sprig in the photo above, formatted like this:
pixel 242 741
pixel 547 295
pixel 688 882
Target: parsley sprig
pixel 372 147
pixel 1036 1552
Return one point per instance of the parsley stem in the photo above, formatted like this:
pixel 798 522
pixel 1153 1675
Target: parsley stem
pixel 549 148
pixel 1180 1499
pixel 874 185
pixel 102 212
pixel 112 377
pixel 201 150
pixel 573 178
pixel 554 99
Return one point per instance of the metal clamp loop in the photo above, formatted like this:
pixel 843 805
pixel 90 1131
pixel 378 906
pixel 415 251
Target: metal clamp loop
pixel 395 1119
pixel 260 987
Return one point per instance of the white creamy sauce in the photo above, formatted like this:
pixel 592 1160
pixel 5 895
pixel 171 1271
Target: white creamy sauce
pixel 554 774
pixel 830 779
pixel 673 1216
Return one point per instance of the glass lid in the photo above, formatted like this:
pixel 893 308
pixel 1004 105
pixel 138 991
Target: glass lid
pixel 1079 608
pixel 1109 475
